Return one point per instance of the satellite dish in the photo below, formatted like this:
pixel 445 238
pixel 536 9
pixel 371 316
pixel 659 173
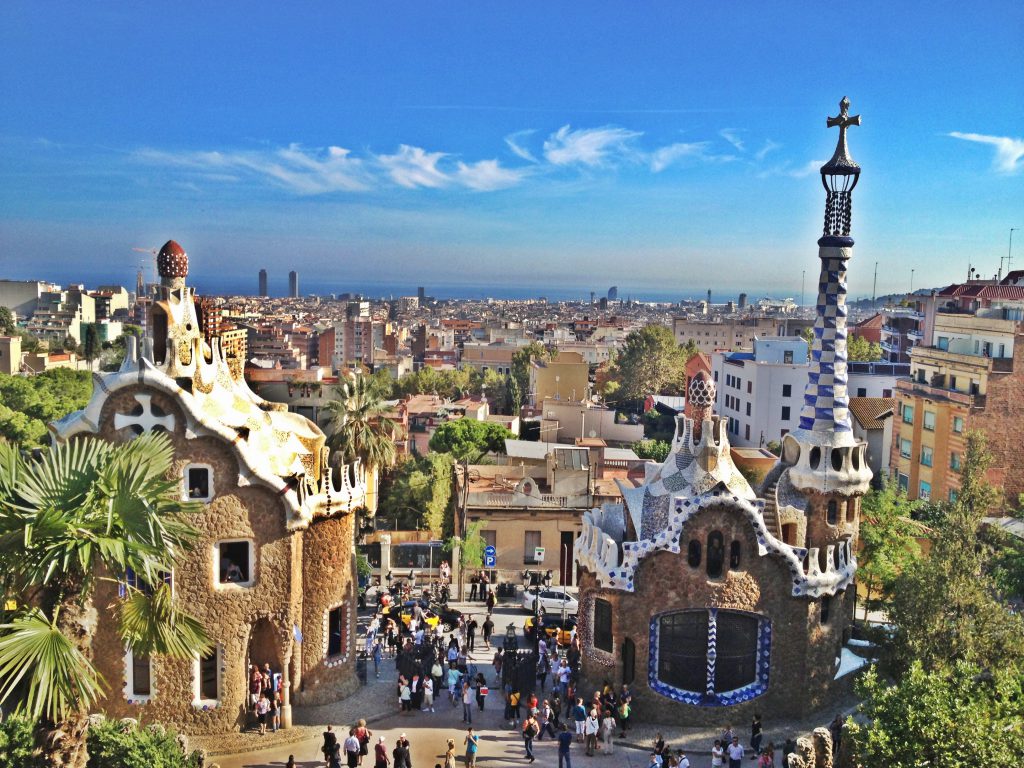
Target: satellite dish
pixel 593 433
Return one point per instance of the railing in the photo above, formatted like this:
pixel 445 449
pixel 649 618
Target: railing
pixel 926 390
pixel 915 335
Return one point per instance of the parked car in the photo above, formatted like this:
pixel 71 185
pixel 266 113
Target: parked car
pixel 553 627
pixel 552 600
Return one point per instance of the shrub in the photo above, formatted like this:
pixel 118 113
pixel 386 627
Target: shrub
pixel 115 744
pixel 17 747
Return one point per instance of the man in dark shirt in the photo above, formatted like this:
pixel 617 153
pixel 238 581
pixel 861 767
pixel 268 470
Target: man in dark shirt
pixel 471 626
pixel 330 742
pixel 564 744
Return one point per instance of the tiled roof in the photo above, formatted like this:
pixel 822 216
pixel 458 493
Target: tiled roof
pixel 871 412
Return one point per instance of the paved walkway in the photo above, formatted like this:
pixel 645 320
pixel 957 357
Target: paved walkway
pixel 500 746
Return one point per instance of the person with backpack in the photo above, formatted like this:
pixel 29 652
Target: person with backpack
pixel 531 729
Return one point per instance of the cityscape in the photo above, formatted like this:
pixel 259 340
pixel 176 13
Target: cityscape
pixel 551 406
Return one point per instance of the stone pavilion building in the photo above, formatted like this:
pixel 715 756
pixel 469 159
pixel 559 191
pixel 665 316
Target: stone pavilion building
pixel 712 599
pixel 272 574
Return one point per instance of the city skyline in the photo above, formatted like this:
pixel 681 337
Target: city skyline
pixel 672 151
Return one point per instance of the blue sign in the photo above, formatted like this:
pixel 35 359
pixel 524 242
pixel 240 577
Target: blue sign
pixel 490 561
pixel 490 551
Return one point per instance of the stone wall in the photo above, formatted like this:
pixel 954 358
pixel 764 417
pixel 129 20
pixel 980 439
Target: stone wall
pixel 802 657
pixel 227 611
pixel 329 581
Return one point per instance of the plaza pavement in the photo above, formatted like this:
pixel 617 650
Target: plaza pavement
pixel 427 732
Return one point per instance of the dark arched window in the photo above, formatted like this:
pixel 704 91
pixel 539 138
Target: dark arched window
pixel 832 514
pixel 693 553
pixel 685 642
pixel 734 555
pixel 826 608
pixel 716 553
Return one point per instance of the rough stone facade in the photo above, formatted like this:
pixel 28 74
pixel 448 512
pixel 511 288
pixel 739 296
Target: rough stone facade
pixel 267 498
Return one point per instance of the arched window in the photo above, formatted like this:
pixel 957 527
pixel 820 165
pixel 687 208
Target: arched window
pixel 693 553
pixel 706 653
pixel 826 608
pixel 832 514
pixel 716 553
pixel 628 661
pixel 734 555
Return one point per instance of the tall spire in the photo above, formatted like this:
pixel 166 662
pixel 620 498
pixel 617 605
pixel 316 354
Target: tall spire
pixel 826 399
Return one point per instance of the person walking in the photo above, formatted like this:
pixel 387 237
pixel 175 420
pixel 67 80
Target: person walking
pixel 378 656
pixel 364 735
pixel 449 754
pixel 262 712
pixel 590 728
pixel 467 703
pixel 756 734
pixel 401 753
pixel 564 744
pixel 546 718
pixel 404 696
pixel 488 629
pixel 471 627
pixel 474 582
pixel 717 754
pixel 481 690
pixel 531 729
pixel 608 732
pixel 352 749
pixel 380 754
pixel 625 710
pixel 579 716
pixel 330 740
pixel 735 751
pixel 427 685
pixel 472 742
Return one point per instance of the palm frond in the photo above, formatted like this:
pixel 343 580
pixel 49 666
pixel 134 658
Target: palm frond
pixel 155 624
pixel 37 658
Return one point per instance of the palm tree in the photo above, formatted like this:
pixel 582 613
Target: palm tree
pixel 359 428
pixel 79 510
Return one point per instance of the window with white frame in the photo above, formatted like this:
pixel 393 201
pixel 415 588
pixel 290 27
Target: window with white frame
pixel 926 491
pixel 138 675
pixel 958 423
pixel 926 456
pixel 906 448
pixel 206 677
pixel 234 562
pixel 908 414
pixel 197 480
pixel 929 420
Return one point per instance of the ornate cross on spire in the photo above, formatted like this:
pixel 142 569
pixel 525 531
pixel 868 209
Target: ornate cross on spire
pixel 841 158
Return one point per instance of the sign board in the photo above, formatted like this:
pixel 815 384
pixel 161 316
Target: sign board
pixel 490 551
pixel 490 561
pixel 538 554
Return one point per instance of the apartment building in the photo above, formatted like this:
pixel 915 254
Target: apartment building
pixel 566 376
pixel 970 377
pixel 762 391
pixel 729 334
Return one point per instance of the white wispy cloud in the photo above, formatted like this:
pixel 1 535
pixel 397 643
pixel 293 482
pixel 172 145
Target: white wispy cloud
pixel 512 140
pixel 730 135
pixel 414 167
pixel 1009 151
pixel 769 146
pixel 587 146
pixel 665 156
pixel 307 172
pixel 488 175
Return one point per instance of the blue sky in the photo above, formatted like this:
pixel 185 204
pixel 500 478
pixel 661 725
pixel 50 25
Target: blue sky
pixel 657 146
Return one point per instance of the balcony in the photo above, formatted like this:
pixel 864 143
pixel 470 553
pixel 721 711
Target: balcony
pixel 940 393
pixel 915 335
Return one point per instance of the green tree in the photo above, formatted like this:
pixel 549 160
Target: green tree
pixel 69 345
pixel 521 364
pixel 513 395
pixel 90 341
pixel 83 508
pixel 7 324
pixel 959 717
pixel 417 494
pixel 649 362
pixel 358 427
pixel 652 449
pixel 860 349
pixel 469 439
pixel 944 607
pixel 887 537
pixel 469 549
pixel 29 403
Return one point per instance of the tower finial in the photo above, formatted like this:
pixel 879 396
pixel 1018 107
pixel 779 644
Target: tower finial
pixel 839 176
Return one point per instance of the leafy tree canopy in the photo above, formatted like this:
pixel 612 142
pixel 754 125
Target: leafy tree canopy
pixel 417 493
pixel 652 449
pixel 946 607
pixel 949 718
pixel 469 439
pixel 887 536
pixel 649 362
pixel 7 324
pixel 29 403
pixel 860 349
